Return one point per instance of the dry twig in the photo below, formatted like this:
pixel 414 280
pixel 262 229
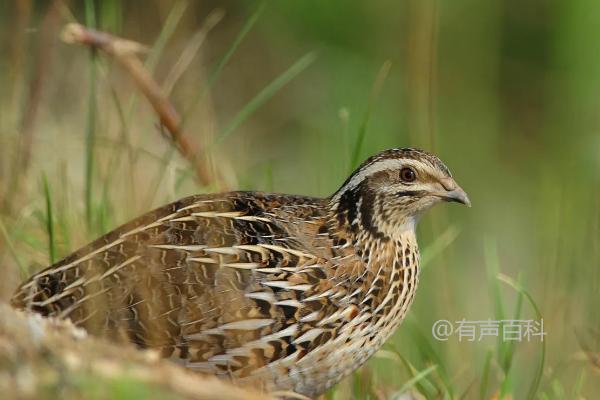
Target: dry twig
pixel 126 52
pixel 191 49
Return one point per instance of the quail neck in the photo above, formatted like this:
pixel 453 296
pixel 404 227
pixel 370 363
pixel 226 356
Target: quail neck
pixel 283 292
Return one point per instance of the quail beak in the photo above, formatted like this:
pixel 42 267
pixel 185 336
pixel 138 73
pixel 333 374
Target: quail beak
pixel 454 193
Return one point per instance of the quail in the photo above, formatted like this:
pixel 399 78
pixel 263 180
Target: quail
pixel 283 292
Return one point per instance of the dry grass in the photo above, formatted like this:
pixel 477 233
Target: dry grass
pixel 52 359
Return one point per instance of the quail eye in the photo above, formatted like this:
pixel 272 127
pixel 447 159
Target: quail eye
pixel 408 174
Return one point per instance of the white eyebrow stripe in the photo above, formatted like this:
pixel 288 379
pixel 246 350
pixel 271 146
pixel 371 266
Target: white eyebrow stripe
pixel 369 170
pixel 375 167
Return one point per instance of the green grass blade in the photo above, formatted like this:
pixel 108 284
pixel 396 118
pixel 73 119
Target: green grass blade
pixel 535 384
pixel 111 15
pixel 166 32
pixel 423 385
pixel 126 142
pixel 270 179
pixel 508 351
pixel 234 45
pixel 439 244
pixel 345 140
pixel 63 211
pixel 465 393
pixel 49 221
pixel 413 381
pixel 429 354
pixel 190 51
pixel 90 144
pixel 362 131
pixel 105 210
pixel 493 268
pixel 216 73
pixel 266 94
pixel 510 345
pixel 158 179
pixel 578 387
pixel 13 251
pixel 358 389
pixel 485 376
pixel 90 120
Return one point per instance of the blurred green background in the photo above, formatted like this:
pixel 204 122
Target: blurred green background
pixel 287 97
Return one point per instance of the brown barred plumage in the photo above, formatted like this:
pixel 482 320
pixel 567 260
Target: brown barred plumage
pixel 285 292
